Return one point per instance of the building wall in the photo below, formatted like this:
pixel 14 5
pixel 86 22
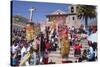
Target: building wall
pixel 72 20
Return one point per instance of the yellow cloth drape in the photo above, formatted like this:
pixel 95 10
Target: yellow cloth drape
pixel 29 32
pixel 65 47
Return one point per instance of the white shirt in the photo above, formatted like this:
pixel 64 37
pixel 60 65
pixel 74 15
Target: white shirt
pixel 14 48
pixel 23 50
pixel 91 52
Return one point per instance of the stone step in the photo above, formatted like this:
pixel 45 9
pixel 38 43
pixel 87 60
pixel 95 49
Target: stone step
pixel 71 51
pixel 71 55
pixel 56 56
pixel 59 55
pixel 60 59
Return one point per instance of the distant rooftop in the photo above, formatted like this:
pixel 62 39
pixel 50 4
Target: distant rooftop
pixel 58 12
pixel 61 13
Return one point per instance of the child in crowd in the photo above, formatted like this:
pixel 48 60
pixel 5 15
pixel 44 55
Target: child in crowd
pixel 77 49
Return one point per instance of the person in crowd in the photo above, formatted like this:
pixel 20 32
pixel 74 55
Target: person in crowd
pixel 24 51
pixel 94 31
pixel 13 60
pixel 18 58
pixel 73 29
pixel 69 38
pixel 73 37
pixel 35 46
pixel 81 29
pixel 33 58
pixel 83 57
pixel 47 45
pixel 90 54
pixel 90 30
pixel 77 49
pixel 47 32
pixel 42 45
pixel 45 58
pixel 14 48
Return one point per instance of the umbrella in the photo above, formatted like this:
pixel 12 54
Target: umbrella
pixel 93 37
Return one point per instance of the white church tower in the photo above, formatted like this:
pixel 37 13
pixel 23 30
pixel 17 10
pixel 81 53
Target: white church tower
pixel 72 19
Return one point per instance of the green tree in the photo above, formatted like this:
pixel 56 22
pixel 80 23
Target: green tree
pixel 86 12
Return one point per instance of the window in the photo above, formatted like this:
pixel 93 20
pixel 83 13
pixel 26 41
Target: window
pixel 72 9
pixel 73 18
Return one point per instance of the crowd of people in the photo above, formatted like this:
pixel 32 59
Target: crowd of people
pixel 36 51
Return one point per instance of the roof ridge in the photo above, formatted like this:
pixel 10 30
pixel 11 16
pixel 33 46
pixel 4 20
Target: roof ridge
pixel 58 11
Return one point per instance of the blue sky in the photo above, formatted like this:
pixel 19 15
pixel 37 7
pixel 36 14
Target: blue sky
pixel 42 9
